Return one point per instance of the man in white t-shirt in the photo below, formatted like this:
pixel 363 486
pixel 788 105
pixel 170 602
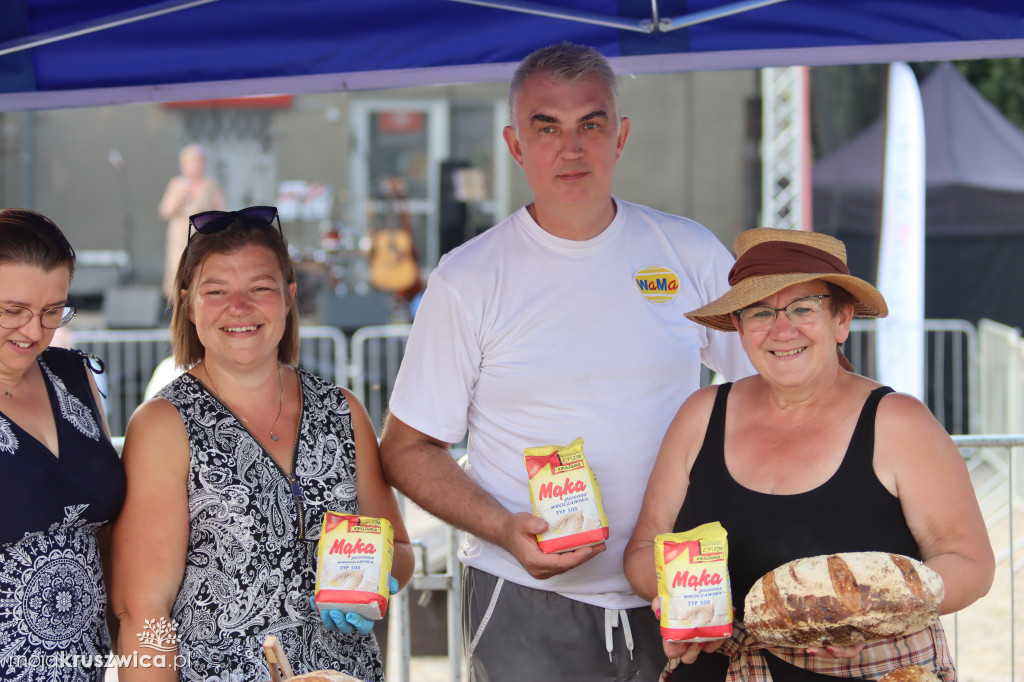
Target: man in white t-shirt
pixel 563 321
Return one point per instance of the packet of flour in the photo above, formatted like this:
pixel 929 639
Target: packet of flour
pixel 354 558
pixel 564 492
pixel 693 583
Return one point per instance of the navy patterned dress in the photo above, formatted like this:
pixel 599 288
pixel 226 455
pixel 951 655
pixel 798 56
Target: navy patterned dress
pixel 52 598
pixel 251 563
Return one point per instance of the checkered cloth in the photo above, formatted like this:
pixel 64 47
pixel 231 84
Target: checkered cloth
pixel 927 648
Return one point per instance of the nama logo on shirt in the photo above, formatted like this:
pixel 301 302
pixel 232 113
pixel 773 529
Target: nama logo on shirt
pixel 658 284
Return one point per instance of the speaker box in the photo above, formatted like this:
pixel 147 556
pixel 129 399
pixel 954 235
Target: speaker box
pixel 350 312
pixel 134 307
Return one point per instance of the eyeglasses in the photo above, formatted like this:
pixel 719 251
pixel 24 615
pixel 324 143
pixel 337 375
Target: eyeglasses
pixel 760 318
pixel 15 316
pixel 253 217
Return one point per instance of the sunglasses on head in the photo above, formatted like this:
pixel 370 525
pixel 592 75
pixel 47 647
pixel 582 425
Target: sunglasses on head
pixel 253 217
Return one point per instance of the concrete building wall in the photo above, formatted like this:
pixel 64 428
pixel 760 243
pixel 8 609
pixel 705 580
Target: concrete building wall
pixel 687 154
pixel 688 151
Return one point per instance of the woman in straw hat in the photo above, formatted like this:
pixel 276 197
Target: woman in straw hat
pixel 807 458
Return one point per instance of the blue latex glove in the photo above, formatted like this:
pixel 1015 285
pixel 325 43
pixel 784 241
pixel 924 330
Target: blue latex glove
pixel 347 623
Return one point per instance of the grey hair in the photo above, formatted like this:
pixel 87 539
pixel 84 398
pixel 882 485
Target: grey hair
pixel 193 148
pixel 565 62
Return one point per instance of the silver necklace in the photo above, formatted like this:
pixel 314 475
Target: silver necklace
pixel 280 402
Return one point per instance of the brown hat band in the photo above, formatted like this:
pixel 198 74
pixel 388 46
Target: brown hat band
pixel 777 258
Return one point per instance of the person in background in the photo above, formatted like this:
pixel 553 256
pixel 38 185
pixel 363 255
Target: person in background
pixel 165 372
pixel 192 191
pixel 231 469
pixel 807 458
pixel 563 321
pixel 61 481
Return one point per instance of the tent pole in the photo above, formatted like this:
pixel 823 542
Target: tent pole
pixel 28 42
pixel 684 20
pixel 637 25
pixel 653 25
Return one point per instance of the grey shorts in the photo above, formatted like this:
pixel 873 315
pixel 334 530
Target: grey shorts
pixel 528 634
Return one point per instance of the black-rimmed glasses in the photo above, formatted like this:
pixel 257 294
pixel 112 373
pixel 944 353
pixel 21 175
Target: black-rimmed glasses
pixel 759 318
pixel 16 316
pixel 253 217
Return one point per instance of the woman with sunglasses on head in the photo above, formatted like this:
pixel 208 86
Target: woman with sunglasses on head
pixel 807 458
pixel 231 468
pixel 60 478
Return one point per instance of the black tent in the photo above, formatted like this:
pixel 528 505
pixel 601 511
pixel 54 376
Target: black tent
pixel 974 205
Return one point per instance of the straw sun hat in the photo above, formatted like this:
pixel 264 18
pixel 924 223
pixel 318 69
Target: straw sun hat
pixel 768 260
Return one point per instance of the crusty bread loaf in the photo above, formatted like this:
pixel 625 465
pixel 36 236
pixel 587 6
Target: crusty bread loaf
pixel 911 673
pixel 842 599
pixel 323 676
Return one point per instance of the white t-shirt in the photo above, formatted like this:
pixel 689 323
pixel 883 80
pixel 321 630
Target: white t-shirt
pixel 527 339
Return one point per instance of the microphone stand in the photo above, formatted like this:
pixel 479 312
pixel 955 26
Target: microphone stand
pixel 118 162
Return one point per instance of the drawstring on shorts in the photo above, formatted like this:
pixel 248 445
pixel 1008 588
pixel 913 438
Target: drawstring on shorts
pixel 612 618
pixel 487 615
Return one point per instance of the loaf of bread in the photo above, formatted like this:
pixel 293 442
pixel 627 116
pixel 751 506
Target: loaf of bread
pixel 911 673
pixel 842 600
pixel 323 676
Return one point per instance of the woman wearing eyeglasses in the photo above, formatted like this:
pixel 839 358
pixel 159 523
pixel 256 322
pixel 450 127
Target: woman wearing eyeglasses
pixel 807 458
pixel 231 468
pixel 61 480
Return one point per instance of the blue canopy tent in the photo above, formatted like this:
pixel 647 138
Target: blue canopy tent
pixel 66 53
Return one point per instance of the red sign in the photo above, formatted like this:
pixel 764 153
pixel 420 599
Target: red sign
pixel 400 121
pixel 254 102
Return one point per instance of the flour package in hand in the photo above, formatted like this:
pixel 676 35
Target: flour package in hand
pixel 563 490
pixel 693 583
pixel 353 564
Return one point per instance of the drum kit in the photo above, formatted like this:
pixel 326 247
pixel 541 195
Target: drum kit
pixel 348 260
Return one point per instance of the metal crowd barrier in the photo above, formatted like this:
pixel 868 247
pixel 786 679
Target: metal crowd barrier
pixel 376 352
pixel 449 582
pixel 130 356
pixel 951 369
pixel 952 383
pixel 984 636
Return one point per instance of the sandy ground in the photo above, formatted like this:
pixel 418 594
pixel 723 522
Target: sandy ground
pixel 424 669
pixel 984 635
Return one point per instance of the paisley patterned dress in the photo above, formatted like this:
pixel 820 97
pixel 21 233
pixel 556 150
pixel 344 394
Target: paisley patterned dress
pixel 52 598
pixel 251 562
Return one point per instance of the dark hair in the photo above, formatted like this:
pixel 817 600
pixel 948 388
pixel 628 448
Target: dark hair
pixel 188 350
pixel 30 238
pixel 563 62
pixel 839 297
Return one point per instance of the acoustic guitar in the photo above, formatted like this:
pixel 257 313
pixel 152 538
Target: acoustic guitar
pixel 392 256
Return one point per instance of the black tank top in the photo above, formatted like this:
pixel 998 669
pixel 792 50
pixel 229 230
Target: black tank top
pixel 851 512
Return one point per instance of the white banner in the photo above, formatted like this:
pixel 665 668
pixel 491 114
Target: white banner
pixel 900 338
